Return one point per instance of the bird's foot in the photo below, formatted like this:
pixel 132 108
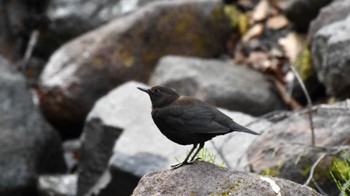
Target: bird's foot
pixel 196 159
pixel 180 164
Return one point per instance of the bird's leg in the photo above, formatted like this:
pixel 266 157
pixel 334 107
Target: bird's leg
pixel 201 145
pixel 186 159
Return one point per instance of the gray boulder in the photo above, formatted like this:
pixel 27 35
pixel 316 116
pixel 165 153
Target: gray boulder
pixel 300 12
pixel 141 148
pixel 127 48
pixel 29 146
pixel 330 50
pixel 203 178
pixel 285 149
pixel 335 11
pixel 219 83
pixel 98 139
pixel 69 19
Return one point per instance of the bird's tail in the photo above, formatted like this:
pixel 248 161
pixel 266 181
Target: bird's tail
pixel 239 128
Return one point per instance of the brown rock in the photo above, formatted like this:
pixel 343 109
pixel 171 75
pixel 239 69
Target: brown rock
pixel 126 49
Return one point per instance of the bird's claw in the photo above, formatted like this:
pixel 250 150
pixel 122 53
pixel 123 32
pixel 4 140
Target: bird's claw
pixel 180 164
pixel 196 159
pixel 185 163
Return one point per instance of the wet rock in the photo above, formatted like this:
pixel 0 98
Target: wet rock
pixel 29 146
pixel 330 50
pixel 203 178
pixel 126 49
pixel 219 83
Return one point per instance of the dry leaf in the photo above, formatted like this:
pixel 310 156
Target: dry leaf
pixel 292 45
pixel 253 32
pixel 261 11
pixel 246 3
pixel 259 60
pixel 277 22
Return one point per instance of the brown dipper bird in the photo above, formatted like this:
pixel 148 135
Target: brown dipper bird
pixel 186 120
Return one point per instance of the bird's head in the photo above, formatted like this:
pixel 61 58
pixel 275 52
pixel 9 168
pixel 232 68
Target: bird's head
pixel 160 96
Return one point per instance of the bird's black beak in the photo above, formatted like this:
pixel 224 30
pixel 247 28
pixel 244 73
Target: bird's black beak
pixel 146 90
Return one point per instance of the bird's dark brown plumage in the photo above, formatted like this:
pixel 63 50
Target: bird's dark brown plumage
pixel 186 120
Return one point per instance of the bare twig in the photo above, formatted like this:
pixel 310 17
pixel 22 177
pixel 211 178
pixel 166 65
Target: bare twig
pixel 309 103
pixel 312 170
pixel 29 50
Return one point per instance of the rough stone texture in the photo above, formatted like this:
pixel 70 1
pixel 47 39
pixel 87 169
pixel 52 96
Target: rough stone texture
pixel 97 144
pixel 300 12
pixel 335 11
pixel 203 178
pixel 276 152
pixel 57 185
pixel 29 146
pixel 78 17
pixel 330 49
pixel 141 147
pixel 219 83
pixel 126 49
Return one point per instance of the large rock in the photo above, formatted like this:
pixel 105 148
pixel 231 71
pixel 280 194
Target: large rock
pixel 69 19
pixel 203 178
pixel 141 147
pixel 330 50
pixel 300 12
pixel 285 149
pixel 335 11
pixel 220 83
pixel 29 146
pixel 127 48
pixel 98 139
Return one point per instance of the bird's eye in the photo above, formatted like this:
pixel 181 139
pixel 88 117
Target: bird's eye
pixel 157 90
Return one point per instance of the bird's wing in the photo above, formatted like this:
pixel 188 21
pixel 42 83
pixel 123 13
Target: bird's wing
pixel 195 119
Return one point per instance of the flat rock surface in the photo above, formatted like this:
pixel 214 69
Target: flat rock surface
pixel 203 178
